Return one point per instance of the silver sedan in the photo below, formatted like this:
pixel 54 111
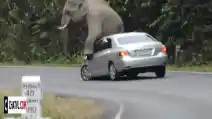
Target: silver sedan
pixel 128 54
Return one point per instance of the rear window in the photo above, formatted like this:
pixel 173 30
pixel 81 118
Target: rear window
pixel 135 39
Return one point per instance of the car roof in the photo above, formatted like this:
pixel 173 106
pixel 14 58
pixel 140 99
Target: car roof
pixel 119 35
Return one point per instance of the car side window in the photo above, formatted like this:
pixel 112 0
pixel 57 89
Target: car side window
pixel 102 45
pixel 106 44
pixel 109 44
pixel 96 47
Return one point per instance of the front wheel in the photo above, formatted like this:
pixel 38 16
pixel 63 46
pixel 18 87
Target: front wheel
pixel 113 74
pixel 85 74
pixel 160 71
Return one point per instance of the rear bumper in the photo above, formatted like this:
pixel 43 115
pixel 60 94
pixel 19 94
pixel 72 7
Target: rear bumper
pixel 127 63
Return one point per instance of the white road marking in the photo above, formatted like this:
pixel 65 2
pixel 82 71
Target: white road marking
pixel 192 72
pixel 119 113
pixel 38 66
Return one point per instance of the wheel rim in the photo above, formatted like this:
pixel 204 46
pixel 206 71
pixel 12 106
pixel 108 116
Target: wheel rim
pixel 85 73
pixel 112 72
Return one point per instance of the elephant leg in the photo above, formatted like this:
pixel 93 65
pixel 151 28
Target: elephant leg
pixel 65 41
pixel 88 48
pixel 81 36
pixel 68 37
pixel 74 30
pixel 94 32
pixel 72 43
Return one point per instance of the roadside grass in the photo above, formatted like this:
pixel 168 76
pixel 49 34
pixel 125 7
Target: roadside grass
pixel 61 107
pixel 60 62
pixel 38 64
pixel 203 68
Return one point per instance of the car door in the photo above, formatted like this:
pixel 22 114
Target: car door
pixel 102 57
pixel 93 65
pixel 106 55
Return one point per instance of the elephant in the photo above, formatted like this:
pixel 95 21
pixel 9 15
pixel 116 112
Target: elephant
pixel 99 17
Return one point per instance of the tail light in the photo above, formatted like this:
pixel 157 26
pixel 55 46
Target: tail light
pixel 163 49
pixel 123 53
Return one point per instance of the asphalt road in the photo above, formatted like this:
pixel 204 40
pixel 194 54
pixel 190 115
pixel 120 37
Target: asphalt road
pixel 180 95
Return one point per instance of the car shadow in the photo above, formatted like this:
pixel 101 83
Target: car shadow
pixel 124 78
pixel 140 78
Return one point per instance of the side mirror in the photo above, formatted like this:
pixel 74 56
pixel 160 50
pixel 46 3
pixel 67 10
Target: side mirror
pixel 105 41
pixel 88 57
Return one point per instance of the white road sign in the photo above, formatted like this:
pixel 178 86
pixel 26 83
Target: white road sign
pixel 33 111
pixel 31 88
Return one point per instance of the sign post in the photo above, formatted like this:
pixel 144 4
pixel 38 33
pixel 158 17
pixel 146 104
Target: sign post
pixel 177 55
pixel 31 88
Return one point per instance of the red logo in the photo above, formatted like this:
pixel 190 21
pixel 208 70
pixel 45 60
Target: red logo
pixel 23 104
pixel 17 104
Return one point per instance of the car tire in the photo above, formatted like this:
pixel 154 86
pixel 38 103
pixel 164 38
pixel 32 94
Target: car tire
pixel 160 71
pixel 112 72
pixel 85 74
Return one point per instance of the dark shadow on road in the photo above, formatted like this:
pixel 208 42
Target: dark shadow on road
pixel 137 78
pixel 124 78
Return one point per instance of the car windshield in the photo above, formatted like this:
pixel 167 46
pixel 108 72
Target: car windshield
pixel 135 39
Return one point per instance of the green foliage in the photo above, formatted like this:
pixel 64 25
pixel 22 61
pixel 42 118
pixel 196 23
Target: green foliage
pixel 28 28
pixel 181 20
pixel 30 34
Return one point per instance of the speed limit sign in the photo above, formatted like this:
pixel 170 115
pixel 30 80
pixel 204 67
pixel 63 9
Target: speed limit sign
pixel 31 88
pixel 30 93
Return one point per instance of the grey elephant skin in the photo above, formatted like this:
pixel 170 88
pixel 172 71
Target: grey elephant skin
pixel 97 15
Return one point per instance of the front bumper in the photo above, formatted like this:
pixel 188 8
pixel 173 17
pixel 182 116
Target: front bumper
pixel 130 62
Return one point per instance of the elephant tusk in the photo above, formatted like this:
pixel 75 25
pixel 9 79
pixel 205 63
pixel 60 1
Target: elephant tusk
pixel 62 27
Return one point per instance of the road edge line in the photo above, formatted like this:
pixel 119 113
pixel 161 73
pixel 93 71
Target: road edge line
pixel 192 72
pixel 38 66
pixel 120 112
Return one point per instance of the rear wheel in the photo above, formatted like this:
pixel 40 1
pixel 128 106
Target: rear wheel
pixel 160 71
pixel 113 74
pixel 85 74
